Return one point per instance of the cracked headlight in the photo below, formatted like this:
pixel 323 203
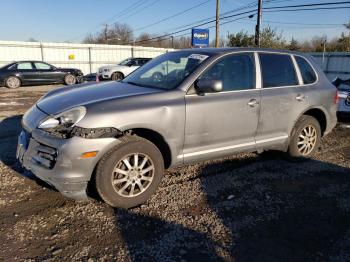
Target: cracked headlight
pixel 67 118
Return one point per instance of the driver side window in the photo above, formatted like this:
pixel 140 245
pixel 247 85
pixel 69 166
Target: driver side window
pixel 42 66
pixel 237 72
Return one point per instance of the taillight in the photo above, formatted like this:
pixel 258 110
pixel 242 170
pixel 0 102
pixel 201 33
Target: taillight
pixel 336 97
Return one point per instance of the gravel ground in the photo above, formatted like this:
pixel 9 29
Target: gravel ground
pixel 244 208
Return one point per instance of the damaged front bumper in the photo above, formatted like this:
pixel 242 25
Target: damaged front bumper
pixel 58 161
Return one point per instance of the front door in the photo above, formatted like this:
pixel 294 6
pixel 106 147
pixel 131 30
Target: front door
pixel 219 124
pixel 48 74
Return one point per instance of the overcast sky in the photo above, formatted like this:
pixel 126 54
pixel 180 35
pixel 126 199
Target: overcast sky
pixel 72 20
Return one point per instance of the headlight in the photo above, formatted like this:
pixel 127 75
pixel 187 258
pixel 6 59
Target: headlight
pixel 107 70
pixel 68 118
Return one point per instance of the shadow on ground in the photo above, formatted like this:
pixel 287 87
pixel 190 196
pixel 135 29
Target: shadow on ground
pixel 271 209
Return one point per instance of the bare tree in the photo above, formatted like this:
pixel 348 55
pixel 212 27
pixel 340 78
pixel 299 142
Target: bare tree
pixel 115 34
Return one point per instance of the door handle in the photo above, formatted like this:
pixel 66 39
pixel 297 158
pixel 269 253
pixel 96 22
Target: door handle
pixel 253 103
pixel 300 97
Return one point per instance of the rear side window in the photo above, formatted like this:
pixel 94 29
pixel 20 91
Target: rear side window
pixel 237 72
pixel 307 72
pixel 277 70
pixel 24 66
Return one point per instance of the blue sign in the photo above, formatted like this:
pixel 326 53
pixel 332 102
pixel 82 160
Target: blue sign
pixel 200 37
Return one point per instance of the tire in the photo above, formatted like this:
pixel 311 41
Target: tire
pixel 305 138
pixel 13 82
pixel 117 76
pixel 70 79
pixel 115 181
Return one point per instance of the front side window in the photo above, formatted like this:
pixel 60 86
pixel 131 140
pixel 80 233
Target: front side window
pixel 24 66
pixel 237 72
pixel 307 72
pixel 277 70
pixel 42 66
pixel 167 71
pixel 125 62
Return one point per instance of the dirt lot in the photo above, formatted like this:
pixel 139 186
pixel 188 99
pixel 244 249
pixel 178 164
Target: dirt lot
pixel 245 208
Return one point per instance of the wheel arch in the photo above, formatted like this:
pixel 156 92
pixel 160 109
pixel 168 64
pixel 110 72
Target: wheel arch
pixel 120 72
pixel 319 114
pixel 158 140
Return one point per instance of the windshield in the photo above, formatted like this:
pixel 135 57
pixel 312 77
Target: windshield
pixel 167 71
pixel 124 62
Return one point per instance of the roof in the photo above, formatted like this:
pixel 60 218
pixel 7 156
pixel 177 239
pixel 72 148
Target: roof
pixel 221 50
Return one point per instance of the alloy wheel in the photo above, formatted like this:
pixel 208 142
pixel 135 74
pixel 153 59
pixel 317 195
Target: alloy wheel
pixel 13 82
pixel 307 140
pixel 133 174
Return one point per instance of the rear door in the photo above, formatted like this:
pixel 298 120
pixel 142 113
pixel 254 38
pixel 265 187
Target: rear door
pixel 27 72
pixel 282 99
pixel 219 124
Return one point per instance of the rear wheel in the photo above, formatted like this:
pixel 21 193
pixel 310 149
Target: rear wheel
pixel 13 82
pixel 70 79
pixel 117 76
pixel 306 137
pixel 130 173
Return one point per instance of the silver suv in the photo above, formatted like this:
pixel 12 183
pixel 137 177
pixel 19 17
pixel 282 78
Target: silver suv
pixel 182 107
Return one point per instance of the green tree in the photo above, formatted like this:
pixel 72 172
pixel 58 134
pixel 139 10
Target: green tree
pixel 270 38
pixel 294 45
pixel 241 39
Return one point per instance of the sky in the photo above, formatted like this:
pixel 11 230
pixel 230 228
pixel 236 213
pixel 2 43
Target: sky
pixel 72 20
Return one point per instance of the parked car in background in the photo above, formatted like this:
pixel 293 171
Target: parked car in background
pixel 121 70
pixel 21 73
pixel 209 103
pixel 344 98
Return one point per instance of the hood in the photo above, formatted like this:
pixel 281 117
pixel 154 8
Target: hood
pixel 62 99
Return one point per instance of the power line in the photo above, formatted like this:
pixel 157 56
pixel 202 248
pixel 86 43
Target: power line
pixel 126 10
pixel 138 11
pixel 307 5
pixel 308 9
pixel 293 23
pixel 172 16
pixel 180 31
pixel 188 33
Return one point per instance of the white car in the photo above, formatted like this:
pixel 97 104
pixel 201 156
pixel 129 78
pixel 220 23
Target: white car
pixel 119 71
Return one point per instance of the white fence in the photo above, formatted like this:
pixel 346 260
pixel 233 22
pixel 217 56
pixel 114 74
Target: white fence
pixel 87 57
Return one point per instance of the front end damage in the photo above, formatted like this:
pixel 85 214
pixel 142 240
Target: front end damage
pixel 55 155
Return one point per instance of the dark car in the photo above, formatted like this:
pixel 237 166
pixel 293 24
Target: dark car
pixel 21 73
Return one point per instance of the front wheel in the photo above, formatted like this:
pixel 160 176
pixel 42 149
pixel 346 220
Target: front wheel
pixel 117 76
pixel 306 137
pixel 130 173
pixel 70 79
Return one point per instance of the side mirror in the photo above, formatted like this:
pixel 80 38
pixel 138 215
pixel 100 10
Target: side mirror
pixel 209 86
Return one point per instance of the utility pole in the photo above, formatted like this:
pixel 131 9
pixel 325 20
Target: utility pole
pixel 258 24
pixel 105 33
pixel 172 41
pixel 217 35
